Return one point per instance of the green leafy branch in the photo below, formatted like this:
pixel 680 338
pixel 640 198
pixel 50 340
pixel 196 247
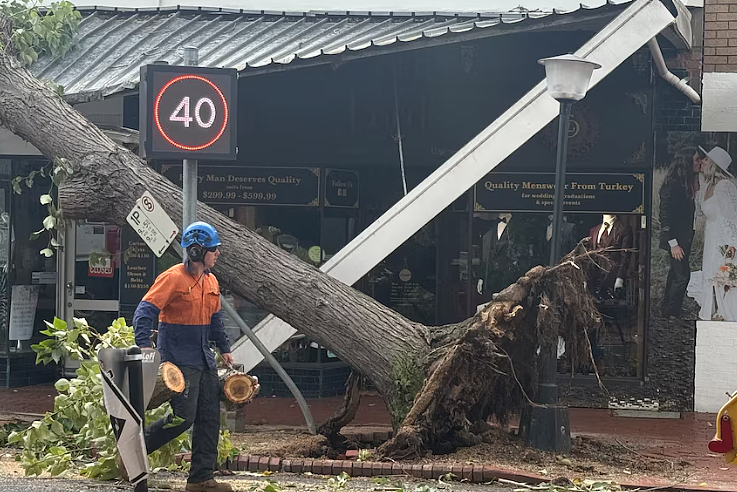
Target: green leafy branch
pixel 77 434
pixel 37 30
pixel 57 172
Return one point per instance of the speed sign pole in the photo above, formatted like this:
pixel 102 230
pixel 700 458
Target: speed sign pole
pixel 190 113
pixel 189 166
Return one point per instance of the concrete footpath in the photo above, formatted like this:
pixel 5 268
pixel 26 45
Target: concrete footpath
pixel 676 439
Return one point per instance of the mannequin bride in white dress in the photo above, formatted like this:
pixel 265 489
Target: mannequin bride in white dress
pixel 718 202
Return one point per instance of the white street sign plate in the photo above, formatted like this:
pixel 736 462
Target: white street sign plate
pixel 158 216
pixel 150 221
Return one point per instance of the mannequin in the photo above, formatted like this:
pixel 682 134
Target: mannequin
pixel 568 239
pixel 494 246
pixel 504 219
pixel 612 236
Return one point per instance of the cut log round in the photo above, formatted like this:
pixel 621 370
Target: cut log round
pixel 238 387
pixel 169 383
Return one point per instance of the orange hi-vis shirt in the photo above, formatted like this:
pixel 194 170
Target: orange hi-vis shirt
pixel 188 312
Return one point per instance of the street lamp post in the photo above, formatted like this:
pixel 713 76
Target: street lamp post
pixel 545 424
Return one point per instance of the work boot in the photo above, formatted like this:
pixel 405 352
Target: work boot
pixel 209 486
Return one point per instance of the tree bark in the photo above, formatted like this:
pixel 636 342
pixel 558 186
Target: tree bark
pixel 436 381
pixel 344 414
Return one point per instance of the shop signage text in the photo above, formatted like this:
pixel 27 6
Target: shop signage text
pixel 594 192
pixel 137 267
pixel 341 188
pixel 228 185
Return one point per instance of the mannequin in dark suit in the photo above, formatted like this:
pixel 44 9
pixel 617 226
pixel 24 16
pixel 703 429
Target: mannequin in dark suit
pixel 497 271
pixel 617 236
pixel 568 239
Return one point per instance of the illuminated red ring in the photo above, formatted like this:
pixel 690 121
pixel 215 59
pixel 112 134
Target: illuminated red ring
pixel 161 129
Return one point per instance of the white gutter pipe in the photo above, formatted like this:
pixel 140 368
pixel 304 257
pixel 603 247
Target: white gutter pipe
pixel 680 84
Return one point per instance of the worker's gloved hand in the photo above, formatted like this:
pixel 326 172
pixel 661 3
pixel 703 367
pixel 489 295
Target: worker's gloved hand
pixel 619 284
pixel 227 359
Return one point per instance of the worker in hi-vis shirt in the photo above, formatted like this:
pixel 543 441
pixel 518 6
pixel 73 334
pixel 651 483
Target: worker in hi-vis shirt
pixel 186 301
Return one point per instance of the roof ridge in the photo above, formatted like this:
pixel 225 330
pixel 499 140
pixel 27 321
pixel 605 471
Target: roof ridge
pixel 309 13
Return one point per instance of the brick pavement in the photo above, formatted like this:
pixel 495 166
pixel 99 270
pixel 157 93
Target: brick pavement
pixel 685 438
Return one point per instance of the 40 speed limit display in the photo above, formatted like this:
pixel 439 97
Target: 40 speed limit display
pixel 188 112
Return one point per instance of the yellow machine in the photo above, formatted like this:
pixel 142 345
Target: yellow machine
pixel 724 441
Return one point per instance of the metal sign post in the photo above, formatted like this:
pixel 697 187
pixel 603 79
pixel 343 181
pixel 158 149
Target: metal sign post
pixel 134 362
pixel 189 187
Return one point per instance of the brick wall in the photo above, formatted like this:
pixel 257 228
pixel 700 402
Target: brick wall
pixel 720 36
pixel 719 108
pixel 673 110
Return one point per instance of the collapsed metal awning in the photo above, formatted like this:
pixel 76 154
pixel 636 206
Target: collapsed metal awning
pixel 112 44
pixel 628 32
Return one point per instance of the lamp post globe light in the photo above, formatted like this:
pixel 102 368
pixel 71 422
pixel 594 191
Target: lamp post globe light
pixel 568 76
pixel 545 425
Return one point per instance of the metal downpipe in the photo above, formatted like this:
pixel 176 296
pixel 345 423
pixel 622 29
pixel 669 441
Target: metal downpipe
pixel 680 84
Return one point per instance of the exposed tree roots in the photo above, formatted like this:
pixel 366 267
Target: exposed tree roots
pixel 491 368
pixel 344 414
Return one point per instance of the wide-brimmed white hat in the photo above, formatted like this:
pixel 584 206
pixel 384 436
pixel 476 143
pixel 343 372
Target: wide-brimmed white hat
pixel 720 157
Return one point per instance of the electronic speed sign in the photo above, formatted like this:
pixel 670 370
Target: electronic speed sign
pixel 188 112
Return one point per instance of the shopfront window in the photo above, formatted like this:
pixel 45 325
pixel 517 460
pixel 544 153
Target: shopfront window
pixel 507 244
pixel 28 275
pixel 5 242
pixel 512 232
pixel 310 234
pixel 405 281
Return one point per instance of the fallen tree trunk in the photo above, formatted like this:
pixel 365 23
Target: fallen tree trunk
pixel 437 381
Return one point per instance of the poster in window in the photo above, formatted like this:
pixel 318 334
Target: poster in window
pixel 694 271
pixel 24 300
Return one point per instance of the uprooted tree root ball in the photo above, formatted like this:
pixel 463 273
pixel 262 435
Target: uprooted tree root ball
pixel 486 366
pixel 490 369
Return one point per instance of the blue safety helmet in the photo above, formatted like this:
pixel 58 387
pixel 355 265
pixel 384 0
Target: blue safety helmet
pixel 200 233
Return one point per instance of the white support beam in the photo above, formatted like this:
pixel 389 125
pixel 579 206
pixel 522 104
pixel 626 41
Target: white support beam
pixel 627 33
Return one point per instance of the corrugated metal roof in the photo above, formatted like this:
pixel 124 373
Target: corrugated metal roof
pixel 113 44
